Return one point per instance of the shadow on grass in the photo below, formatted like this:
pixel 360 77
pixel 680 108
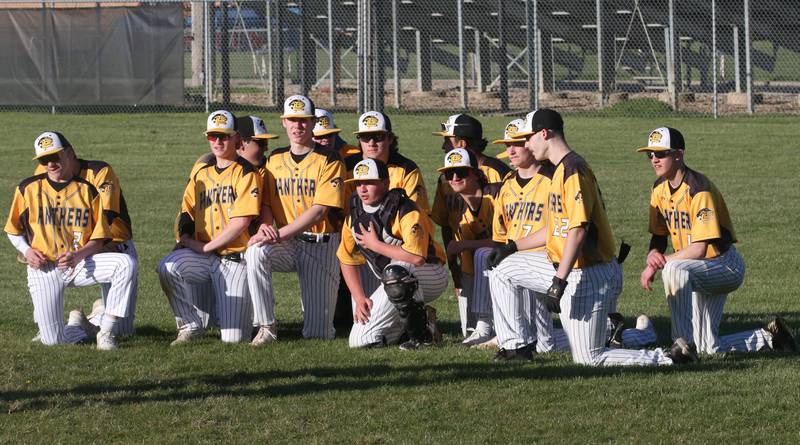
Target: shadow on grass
pixel 316 380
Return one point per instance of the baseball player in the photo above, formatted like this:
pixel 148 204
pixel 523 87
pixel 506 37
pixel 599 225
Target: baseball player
pixel 305 195
pixel 219 202
pixel 461 131
pixel 386 230
pixel 58 222
pixel 580 276
pixel 327 135
pixel 377 141
pixel 102 176
pixel 705 265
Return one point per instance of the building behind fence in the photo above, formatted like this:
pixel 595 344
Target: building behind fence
pixel 728 56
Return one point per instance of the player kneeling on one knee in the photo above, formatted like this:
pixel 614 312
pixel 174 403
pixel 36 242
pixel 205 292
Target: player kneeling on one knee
pixel 386 230
pixel 705 265
pixel 219 202
pixel 57 221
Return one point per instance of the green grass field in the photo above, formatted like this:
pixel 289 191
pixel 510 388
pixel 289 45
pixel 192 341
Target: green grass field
pixel 321 392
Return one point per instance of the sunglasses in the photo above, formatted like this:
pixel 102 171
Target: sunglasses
pixel 213 137
pixel 658 154
pixel 377 137
pixel 462 173
pixel 48 159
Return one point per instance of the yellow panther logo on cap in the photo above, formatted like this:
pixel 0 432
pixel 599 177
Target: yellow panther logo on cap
pixel 46 142
pixel 324 122
pixel 655 137
pixel 362 170
pixel 297 105
pixel 454 158
pixel 220 120
pixel 511 129
pixel 370 121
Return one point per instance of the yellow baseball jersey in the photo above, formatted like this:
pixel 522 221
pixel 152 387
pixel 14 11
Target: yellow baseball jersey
pixel 403 173
pixel 695 211
pixel 407 227
pixel 473 224
pixel 55 217
pixel 574 200
pixel 105 180
pixel 522 209
pixel 213 196
pixel 293 187
pixel 444 202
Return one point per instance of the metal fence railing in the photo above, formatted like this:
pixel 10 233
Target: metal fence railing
pixel 706 56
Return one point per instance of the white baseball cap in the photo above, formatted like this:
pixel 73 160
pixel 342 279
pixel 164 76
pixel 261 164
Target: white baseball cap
pixel 325 124
pixel 458 158
pixel 369 169
pixel 664 139
pixel 511 128
pixel 373 122
pixel 49 142
pixel 297 106
pixel 221 121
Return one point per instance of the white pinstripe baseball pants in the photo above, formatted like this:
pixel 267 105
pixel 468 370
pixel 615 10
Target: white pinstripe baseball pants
pixel 184 270
pixel 584 308
pixel 48 283
pixel 318 270
pixel 384 320
pixel 696 291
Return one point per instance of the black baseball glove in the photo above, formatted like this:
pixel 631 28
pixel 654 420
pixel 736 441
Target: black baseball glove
pixel 552 299
pixel 500 253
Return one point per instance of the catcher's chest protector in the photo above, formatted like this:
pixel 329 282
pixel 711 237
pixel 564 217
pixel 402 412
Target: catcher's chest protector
pixel 382 220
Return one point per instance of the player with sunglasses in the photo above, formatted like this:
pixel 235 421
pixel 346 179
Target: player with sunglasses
pixel 471 225
pixel 704 266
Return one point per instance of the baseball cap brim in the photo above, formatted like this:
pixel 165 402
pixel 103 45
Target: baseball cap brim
pixel 47 153
pixel 370 131
pixel 502 155
pixel 347 181
pixel 287 116
pixel 507 141
pixel 265 136
pixel 443 134
pixel 644 149
pixel 220 130
pixel 444 169
pixel 523 134
pixel 327 132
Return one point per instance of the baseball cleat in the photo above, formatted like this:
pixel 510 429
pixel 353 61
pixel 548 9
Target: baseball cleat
pixel 266 334
pixel 523 354
pixel 106 341
pixel 37 337
pixel 186 336
pixel 477 337
pixel 617 326
pixel 683 352
pixel 98 308
pixel 782 338
pixel 77 318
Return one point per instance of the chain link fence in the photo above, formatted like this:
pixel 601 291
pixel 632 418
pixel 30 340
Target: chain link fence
pixel 713 57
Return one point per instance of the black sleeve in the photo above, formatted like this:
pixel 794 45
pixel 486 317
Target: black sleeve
pixel 186 225
pixel 658 242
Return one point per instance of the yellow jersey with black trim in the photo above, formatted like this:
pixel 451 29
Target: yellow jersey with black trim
pixel 695 211
pixel 575 200
pixel 405 225
pixel 403 173
pixel 521 205
pixel 444 200
pixel 470 224
pixel 294 186
pixel 213 196
pixel 57 217
pixel 105 180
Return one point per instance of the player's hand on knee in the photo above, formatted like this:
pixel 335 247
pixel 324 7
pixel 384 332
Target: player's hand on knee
pixel 500 253
pixel 67 260
pixel 35 258
pixel 656 260
pixel 271 234
pixel 362 312
pixel 552 299
pixel 647 277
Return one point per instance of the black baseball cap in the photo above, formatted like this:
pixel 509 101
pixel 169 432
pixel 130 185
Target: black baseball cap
pixel 538 120
pixel 461 125
pixel 252 127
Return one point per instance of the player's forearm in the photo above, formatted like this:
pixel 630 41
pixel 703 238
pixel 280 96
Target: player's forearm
pixel 266 215
pixel 229 233
pixel 353 281
pixel 310 217
pixel 697 250
pixel 90 248
pixel 19 242
pixel 532 241
pixel 397 253
pixel 659 243
pixel 575 238
pixel 477 244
